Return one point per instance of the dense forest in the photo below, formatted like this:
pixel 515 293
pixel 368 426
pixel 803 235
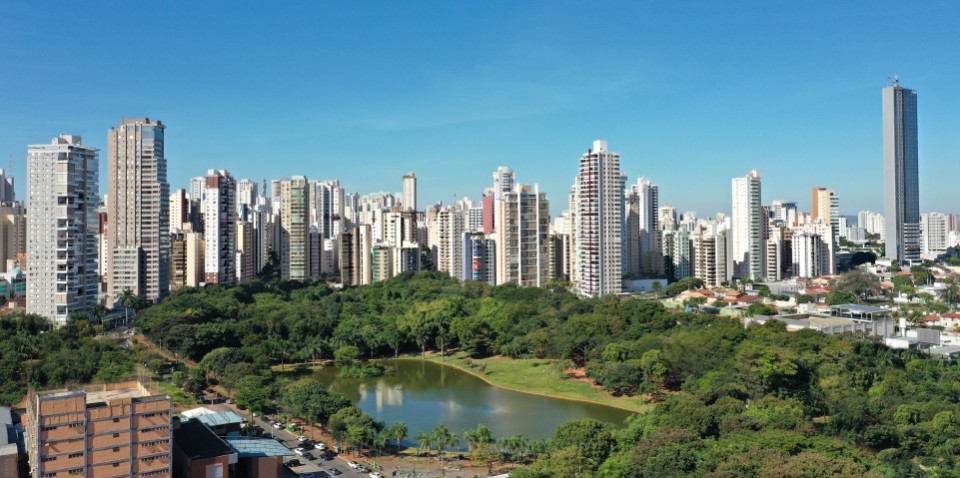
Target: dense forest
pixel 731 401
pixel 34 355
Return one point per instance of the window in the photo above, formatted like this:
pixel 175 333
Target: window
pixel 74 455
pixel 116 465
pixel 116 435
pixel 116 449
pixel 116 420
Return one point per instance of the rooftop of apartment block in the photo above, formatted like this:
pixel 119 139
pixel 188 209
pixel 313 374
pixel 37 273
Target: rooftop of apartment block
pixel 105 393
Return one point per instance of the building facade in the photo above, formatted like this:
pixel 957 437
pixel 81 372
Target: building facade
pixel 598 223
pixel 901 186
pixel 119 430
pixel 294 228
pixel 408 199
pixel 747 227
pixel 63 194
pixel 138 210
pixel 220 228
pixel 522 228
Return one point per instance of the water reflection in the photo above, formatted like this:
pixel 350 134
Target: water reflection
pixel 424 394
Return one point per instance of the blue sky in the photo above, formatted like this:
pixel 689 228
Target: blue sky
pixel 690 93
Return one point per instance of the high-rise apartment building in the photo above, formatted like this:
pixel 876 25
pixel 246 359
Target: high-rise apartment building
pixel 7 193
pixel 773 262
pixel 678 254
pixel 711 257
pixel 409 197
pixel 813 250
pixel 826 208
pixel 138 209
pixel 479 258
pixel 503 180
pixel 179 210
pixel 120 430
pixel 294 228
pixel 197 187
pixel 642 235
pixel 901 190
pixel 381 262
pixel 246 194
pixel 522 234
pixel 598 222
pixel 220 228
pixel 872 223
pixel 406 258
pixel 450 227
pixel 186 259
pixel 784 211
pixel 13 236
pixel 247 253
pixel 935 228
pixel 326 207
pixel 63 195
pixel 748 223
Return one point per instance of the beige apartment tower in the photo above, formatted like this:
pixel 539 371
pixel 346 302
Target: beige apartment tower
pixel 138 210
pixel 522 225
pixel 120 430
pixel 294 228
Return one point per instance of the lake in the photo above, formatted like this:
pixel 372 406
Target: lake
pixel 424 394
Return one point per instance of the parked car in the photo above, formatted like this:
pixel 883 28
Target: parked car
pixel 277 426
pixel 320 446
pixel 376 475
pixel 301 438
pixel 353 464
pixel 328 455
pixel 309 456
pixel 293 462
pixel 334 471
pixel 298 451
pixel 363 469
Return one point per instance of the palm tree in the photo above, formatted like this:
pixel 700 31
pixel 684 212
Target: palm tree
pixel 379 441
pixel 99 312
pixel 518 446
pixel 444 439
pixel 126 299
pixel 475 438
pixel 398 432
pixel 426 442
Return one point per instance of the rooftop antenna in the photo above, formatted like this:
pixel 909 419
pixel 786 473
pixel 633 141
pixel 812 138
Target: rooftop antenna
pixel 895 81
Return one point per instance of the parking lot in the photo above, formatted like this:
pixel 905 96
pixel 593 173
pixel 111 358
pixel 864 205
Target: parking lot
pixel 320 467
pixel 393 467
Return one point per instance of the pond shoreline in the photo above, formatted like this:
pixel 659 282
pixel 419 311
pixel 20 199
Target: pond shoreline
pixel 511 389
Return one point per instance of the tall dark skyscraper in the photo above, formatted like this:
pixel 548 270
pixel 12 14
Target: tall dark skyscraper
pixel 901 186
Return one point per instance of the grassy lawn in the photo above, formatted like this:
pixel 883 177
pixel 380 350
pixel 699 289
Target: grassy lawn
pixel 540 376
pixel 537 376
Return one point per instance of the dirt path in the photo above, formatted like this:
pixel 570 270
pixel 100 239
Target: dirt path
pixel 163 353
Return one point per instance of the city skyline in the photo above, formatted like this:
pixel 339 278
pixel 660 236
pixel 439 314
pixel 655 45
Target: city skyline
pixel 522 98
